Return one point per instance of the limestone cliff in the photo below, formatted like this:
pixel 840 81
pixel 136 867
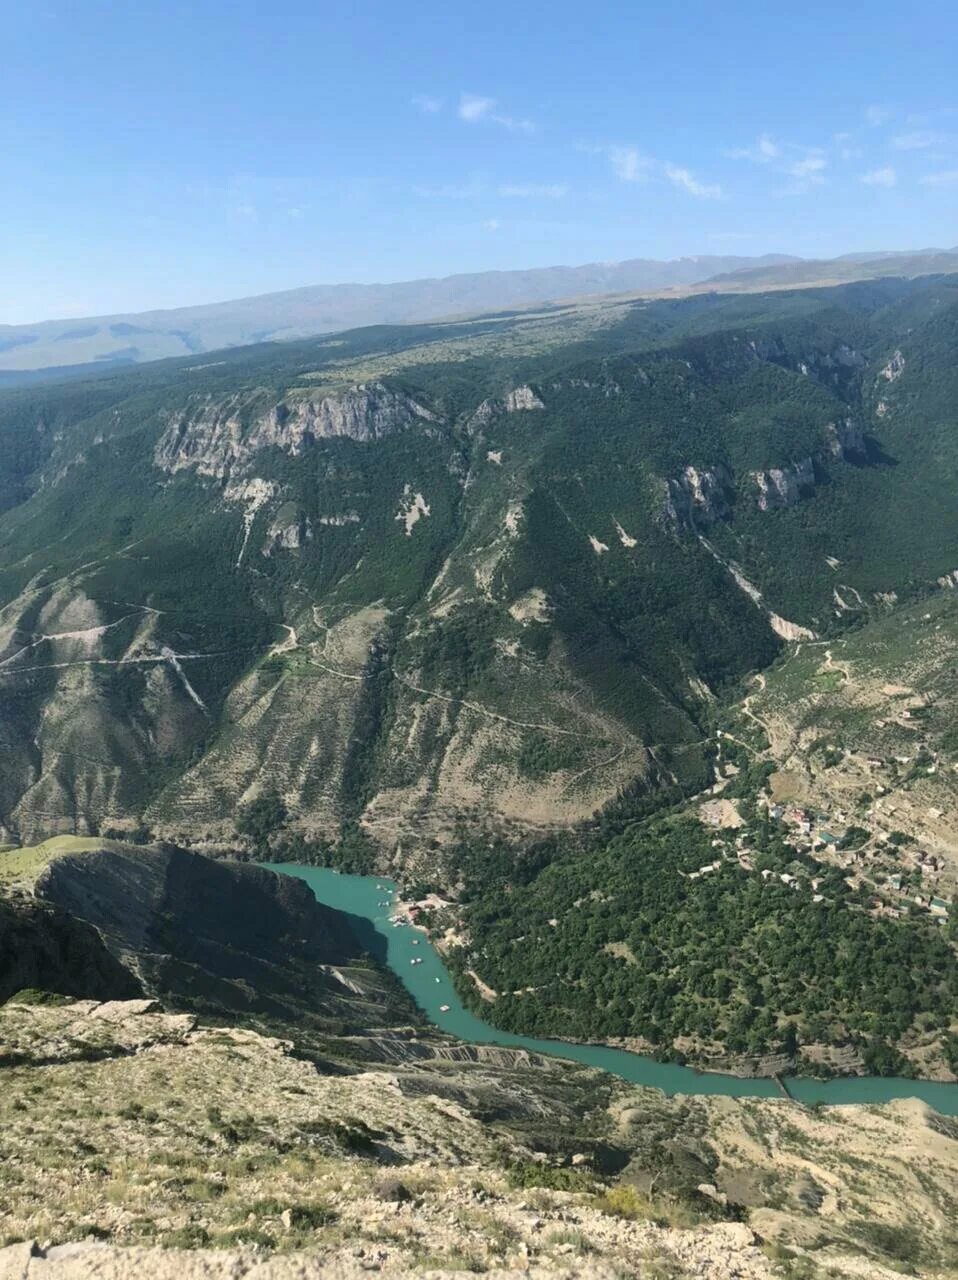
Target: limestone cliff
pixel 215 437
pixel 517 400
pixel 845 439
pixel 784 486
pixel 697 496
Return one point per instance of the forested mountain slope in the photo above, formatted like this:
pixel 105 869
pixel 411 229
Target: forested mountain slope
pixel 401 580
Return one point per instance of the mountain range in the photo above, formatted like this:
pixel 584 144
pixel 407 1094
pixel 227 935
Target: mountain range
pixel 65 347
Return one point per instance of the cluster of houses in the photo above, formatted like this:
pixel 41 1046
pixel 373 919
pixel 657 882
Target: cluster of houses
pixel 932 902
pixel 806 821
pixel 745 861
pixel 809 823
pixel 431 902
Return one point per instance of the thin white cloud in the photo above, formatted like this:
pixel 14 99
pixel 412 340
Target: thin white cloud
pixel 877 114
pixel 686 181
pixel 764 150
pixel 809 167
pixel 491 224
pixel 628 163
pixel 427 105
pixel 802 166
pixel 886 177
pixel 919 140
pixel 475 109
pixel 534 190
pixel 472 108
pixel 943 178
pixel 470 190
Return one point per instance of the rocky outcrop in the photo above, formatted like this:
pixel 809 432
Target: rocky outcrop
pixel 218 936
pixel 43 947
pixel 784 486
pixel 518 400
pixel 697 497
pixel 724 1251
pixel 895 367
pixel 217 437
pixel 288 532
pixel 845 440
pixel 39 1033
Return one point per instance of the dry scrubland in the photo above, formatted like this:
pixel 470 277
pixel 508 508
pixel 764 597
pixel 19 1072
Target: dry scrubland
pixel 121 1125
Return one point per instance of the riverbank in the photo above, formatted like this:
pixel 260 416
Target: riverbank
pixel 431 987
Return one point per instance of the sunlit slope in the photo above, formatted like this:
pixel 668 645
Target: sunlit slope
pixel 489 572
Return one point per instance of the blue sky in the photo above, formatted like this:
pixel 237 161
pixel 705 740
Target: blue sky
pixel 157 154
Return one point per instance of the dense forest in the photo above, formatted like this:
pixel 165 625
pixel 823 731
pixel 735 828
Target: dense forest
pixel 608 937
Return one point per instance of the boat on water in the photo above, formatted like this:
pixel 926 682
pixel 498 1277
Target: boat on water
pixel 444 1008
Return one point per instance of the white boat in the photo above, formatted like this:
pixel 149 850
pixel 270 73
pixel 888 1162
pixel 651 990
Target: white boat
pixel 443 1008
pixel 439 979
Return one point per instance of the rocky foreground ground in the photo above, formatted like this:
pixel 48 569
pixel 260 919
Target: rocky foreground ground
pixel 135 1142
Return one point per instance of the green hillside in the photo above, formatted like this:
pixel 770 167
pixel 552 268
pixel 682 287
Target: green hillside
pixel 384 596
pixel 243 573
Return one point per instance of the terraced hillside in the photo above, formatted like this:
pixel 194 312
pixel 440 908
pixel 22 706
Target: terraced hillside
pixel 370 590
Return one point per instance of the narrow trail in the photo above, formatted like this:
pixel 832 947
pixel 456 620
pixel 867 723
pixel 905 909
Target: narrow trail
pixel 86 633
pixel 470 706
pixel 495 715
pixel 831 665
pixel 151 659
pixel 600 764
pixel 762 683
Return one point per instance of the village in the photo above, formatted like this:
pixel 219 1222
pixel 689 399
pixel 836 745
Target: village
pixel 900 876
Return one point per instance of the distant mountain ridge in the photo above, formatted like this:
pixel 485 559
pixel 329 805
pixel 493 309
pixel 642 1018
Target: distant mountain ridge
pixel 132 338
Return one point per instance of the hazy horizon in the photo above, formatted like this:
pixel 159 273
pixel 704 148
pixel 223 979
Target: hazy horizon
pixel 164 156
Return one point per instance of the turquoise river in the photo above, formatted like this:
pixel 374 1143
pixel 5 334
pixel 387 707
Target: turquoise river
pixel 371 898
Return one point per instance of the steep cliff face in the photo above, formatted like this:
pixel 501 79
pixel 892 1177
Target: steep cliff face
pixel 518 400
pixel 697 496
pixel 215 438
pixel 216 937
pixel 845 439
pixel 45 948
pixel 784 486
pixel 289 530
